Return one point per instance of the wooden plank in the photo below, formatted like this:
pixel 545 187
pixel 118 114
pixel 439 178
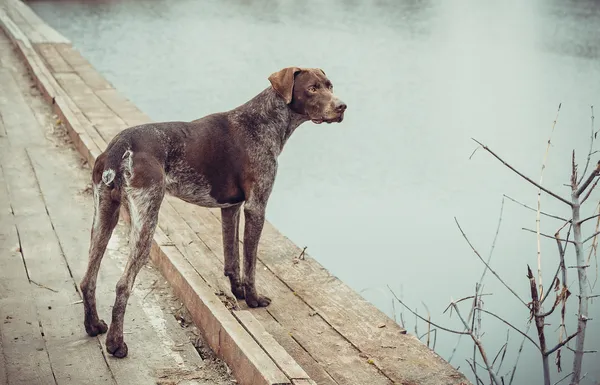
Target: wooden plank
pixel 352 316
pixel 3 133
pixel 205 262
pixel 150 351
pixel 30 32
pixel 23 346
pixel 124 108
pixel 55 61
pixel 43 32
pixel 298 352
pixel 19 121
pixel 84 136
pixel 73 356
pixel 249 363
pixel 303 382
pixel 311 332
pixel 103 118
pixel 23 355
pixel 277 353
pixel 84 69
pixel 3 378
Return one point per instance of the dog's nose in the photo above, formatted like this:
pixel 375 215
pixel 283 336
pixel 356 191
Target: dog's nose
pixel 340 106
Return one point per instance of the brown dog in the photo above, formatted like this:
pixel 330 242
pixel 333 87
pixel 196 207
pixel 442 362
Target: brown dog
pixel 221 160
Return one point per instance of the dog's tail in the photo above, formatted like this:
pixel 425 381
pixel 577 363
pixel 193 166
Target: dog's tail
pixel 118 158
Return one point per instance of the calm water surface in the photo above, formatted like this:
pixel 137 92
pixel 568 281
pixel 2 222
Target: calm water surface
pixel 374 198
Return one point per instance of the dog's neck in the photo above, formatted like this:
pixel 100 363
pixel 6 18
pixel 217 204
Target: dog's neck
pixel 269 112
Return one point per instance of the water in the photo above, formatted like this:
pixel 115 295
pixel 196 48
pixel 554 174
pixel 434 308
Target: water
pixel 374 198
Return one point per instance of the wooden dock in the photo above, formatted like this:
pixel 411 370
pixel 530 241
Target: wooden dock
pixel 45 214
pixel 316 330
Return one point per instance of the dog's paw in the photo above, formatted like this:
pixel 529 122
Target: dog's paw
pixel 238 291
pixel 117 347
pixel 95 328
pixel 257 301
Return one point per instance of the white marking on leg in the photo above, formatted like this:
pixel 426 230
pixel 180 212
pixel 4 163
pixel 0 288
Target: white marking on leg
pixel 149 303
pixel 96 189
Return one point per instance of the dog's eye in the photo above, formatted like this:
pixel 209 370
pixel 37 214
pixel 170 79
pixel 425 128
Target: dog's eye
pixel 312 89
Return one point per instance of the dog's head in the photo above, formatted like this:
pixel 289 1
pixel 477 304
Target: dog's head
pixel 308 92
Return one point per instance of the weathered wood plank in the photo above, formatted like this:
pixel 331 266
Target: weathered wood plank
pixel 3 133
pixel 24 355
pixel 3 378
pixel 55 61
pixel 150 350
pixel 225 335
pixel 277 353
pixel 43 32
pixel 208 228
pixel 311 332
pixel 84 135
pixel 23 346
pixel 19 121
pixel 124 108
pixel 29 31
pixel 106 122
pixel 204 260
pixel 84 69
pixel 299 353
pixel 73 356
pixel 351 315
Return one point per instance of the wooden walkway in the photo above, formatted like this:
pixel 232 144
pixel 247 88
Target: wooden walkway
pixel 334 335
pixel 45 215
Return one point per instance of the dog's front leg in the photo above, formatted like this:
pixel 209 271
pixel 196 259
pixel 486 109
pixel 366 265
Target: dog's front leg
pixel 254 220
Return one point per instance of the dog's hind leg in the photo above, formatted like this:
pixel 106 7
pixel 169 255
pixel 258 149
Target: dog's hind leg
pixel 144 191
pixel 106 216
pixel 230 218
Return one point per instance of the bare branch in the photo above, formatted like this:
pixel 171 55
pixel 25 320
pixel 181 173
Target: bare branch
pixel 523 176
pixel 541 212
pixel 590 191
pixel 591 236
pixel 562 379
pixel 589 180
pixel 589 157
pixel 502 349
pixel 512 376
pixel 428 323
pixel 561 344
pixel 482 352
pixel 561 254
pixel 487 265
pixel 464 299
pixel 493 242
pixel 539 206
pixel 545 235
pixel 503 354
pixel 589 218
pixel 512 326
pixel 423 319
pixel 479 381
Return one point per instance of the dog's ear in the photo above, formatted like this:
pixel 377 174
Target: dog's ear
pixel 322 71
pixel 283 82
